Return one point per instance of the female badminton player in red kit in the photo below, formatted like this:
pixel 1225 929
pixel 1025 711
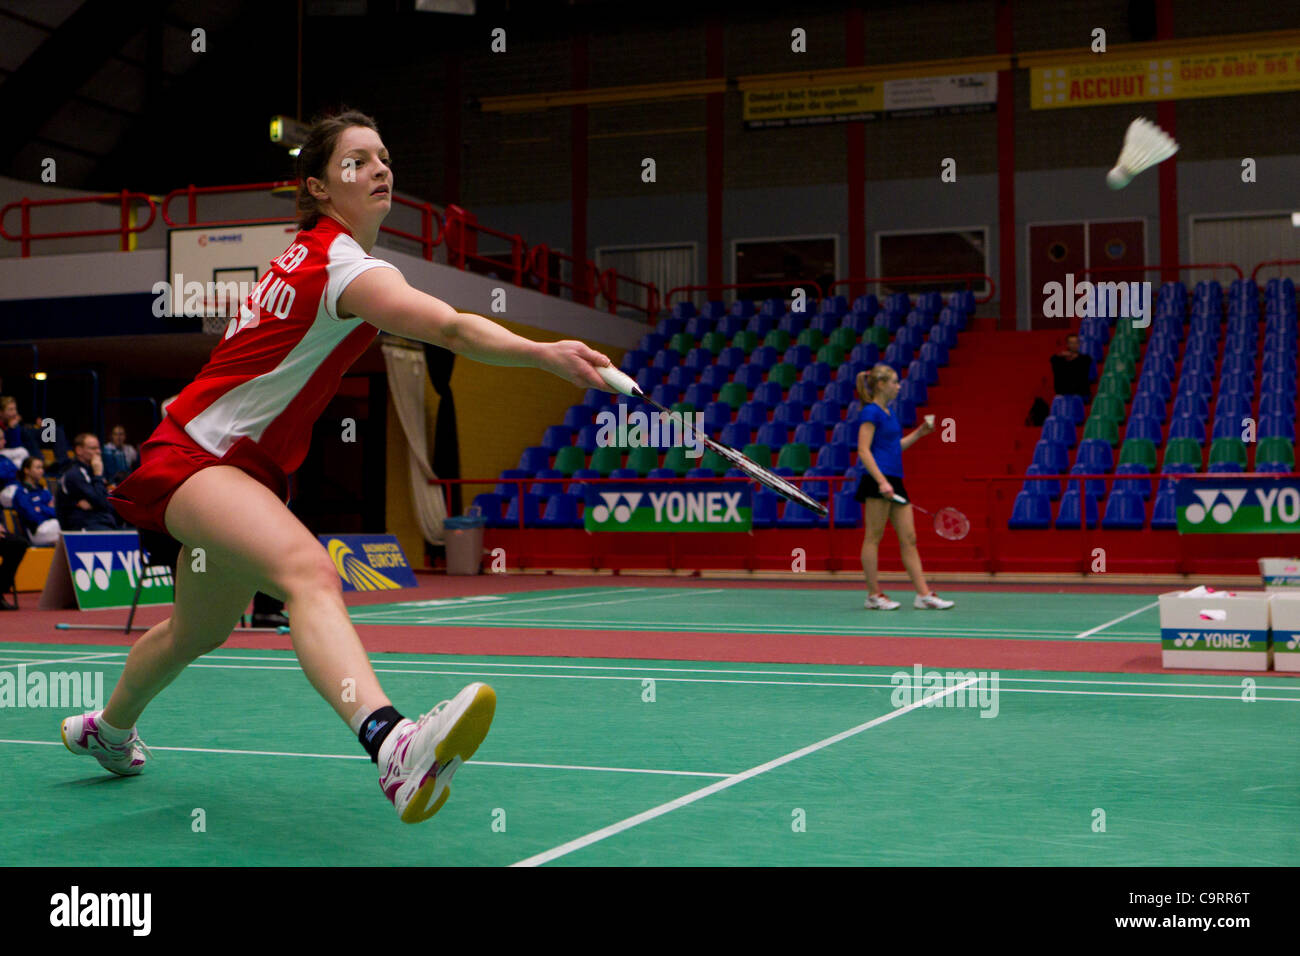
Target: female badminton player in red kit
pixel 212 475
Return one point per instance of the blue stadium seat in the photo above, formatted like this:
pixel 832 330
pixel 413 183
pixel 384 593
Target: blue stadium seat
pixel 818 373
pixel 561 512
pixel 1048 487
pixel 1149 406
pixel 935 352
pixel 911 336
pixel 794 322
pixel 1185 426
pixel 1277 426
pixel 648 378
pixel 1060 430
pixel 1030 511
pixel 749 375
pixel 531 507
pixel 1193 405
pixel 624 473
pixel 1277 403
pixel 763 514
pixel 753 414
pixel 825 324
pixel 770 394
pixel 671 326
pixel 1232 405
pixel 635 360
pixel 665 359
pixel 796 516
pixel 762 323
pixel 734 321
pixel 1124 511
pixel 820 490
pixel 1164 515
pixel 848 511
pixel 923 371
pixel 1277 383
pixel 507 488
pixel 773 308
pixel 700 395
pixel 681 378
pixel 1093 487
pixel 697 359
pixel 1069 407
pixel 587 436
pixel 835 457
pixel 701 473
pixel 535 459
pixel 772 434
pixel 866 303
pixel 652 342
pixel 827 413
pixel 579 416
pixel 905 410
pixel 490 504
pixel 841 392
pixel 845 434
pixel 713 377
pixel 804 392
pixel 1095 453
pixel 545 489
pixel 865 353
pixel 790 414
pixel 701 325
pixel 765 356
pixel 736 435
pixel 732 358
pixel 811 434
pixel 665 395
pixel 717 415
pixel 1143 426
pixel 1226 427
pixel 1139 487
pixel 661 473
pixel 1068 516
pixel 797 355
pixel 913 390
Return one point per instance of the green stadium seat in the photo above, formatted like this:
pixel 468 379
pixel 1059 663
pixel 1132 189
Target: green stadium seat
pixel 1227 449
pixel 795 455
pixel 734 394
pixel 1115 385
pixel 686 408
pixel 831 354
pixel 1275 449
pixel 714 461
pixel 785 374
pixel 1103 428
pixel 570 459
pixel 1110 407
pixel 715 342
pixel 759 454
pixel 643 460
pixel 779 339
pixel 811 338
pixel 681 343
pixel 843 337
pixel 877 334
pixel 1183 451
pixel 746 340
pixel 605 459
pixel 1138 451
pixel 676 460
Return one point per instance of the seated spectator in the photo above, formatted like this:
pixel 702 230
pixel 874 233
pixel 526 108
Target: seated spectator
pixel 120 459
pixel 12 549
pixel 83 493
pixel 1071 370
pixel 8 467
pixel 17 435
pixel 33 437
pixel 35 504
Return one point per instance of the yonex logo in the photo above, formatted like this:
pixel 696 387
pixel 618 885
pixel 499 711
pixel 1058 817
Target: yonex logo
pixel 618 504
pixel 1294 641
pixel 1184 639
pixel 1221 512
pixel 1231 639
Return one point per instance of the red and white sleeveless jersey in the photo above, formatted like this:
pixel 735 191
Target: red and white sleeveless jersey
pixel 282 360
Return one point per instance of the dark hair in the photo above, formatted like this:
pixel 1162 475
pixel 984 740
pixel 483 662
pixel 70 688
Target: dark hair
pixel 315 155
pixel 27 462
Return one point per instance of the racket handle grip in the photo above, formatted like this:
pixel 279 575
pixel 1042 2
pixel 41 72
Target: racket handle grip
pixel 900 499
pixel 619 381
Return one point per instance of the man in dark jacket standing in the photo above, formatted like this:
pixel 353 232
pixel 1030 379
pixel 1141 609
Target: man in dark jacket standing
pixel 83 494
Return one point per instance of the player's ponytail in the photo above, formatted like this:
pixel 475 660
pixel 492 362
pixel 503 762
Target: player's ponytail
pixel 315 156
pixel 867 382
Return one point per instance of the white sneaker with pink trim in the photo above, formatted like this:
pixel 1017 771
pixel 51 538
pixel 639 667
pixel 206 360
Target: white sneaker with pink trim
pixel 931 601
pixel 879 602
pixel 420 757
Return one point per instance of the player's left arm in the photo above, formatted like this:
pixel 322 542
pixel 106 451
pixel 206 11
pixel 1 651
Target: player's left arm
pixel 386 300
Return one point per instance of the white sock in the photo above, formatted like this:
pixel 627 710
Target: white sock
pixel 110 734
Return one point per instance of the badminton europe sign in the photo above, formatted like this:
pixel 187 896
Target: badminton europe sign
pixel 1103 81
pixel 845 102
pixel 1238 505
pixel 705 506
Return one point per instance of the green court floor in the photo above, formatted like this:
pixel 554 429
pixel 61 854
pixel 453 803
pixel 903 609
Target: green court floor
pixel 1065 617
pixel 598 762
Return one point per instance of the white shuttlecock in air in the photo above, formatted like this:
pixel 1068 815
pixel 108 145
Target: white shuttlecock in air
pixel 1145 144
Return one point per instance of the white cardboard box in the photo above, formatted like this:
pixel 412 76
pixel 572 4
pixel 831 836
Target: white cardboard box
pixel 1281 575
pixel 1285 613
pixel 1216 631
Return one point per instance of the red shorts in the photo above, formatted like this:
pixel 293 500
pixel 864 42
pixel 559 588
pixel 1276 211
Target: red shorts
pixel 168 458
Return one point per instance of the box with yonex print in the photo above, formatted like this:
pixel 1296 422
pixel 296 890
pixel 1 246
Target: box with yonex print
pixel 1215 630
pixel 1280 575
pixel 1285 613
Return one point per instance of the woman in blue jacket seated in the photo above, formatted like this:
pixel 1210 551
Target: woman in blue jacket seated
pixel 35 504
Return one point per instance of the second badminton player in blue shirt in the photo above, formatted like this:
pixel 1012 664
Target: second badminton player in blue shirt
pixel 880 451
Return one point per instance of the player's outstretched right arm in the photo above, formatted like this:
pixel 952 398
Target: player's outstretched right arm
pixel 386 300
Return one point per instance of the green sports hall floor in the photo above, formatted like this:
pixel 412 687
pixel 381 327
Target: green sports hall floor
pixel 626 761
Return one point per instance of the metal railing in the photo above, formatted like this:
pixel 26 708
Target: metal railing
pixel 966 277
pixel 126 228
pixel 1180 267
pixel 712 287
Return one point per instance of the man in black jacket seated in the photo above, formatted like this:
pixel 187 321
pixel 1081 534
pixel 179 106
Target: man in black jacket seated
pixel 83 494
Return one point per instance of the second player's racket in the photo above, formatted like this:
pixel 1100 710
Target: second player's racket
pixel 628 386
pixel 948 522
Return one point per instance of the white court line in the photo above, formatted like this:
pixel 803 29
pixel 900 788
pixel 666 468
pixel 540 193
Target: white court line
pixel 626 824
pixel 76 659
pixel 1102 627
pixel 477 763
pixel 505 600
pixel 496 612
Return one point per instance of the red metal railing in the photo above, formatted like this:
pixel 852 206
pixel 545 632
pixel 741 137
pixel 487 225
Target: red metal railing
pixel 718 287
pixel 431 225
pixel 609 280
pixel 462 234
pixel 583 287
pixel 125 229
pixel 1180 267
pixel 966 277
pixel 1272 262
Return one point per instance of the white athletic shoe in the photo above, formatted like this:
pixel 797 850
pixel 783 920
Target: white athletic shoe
pixel 81 735
pixel 932 601
pixel 420 757
pixel 879 602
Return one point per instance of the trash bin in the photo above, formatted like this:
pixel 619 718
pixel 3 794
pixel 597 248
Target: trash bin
pixel 464 542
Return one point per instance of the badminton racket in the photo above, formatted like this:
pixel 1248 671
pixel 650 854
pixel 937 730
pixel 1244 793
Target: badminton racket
pixel 628 386
pixel 948 522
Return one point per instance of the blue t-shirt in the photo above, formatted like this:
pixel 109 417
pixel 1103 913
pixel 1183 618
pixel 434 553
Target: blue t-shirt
pixel 886 442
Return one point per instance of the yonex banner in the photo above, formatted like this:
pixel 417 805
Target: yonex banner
pixel 369 562
pixel 105 566
pixel 688 506
pixel 1238 505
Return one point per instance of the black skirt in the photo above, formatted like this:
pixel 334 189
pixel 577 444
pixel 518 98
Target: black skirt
pixel 868 488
